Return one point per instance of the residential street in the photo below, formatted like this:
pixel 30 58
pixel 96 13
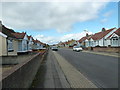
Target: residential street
pixel 101 70
pixel 68 69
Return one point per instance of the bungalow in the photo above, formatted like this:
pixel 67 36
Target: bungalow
pixel 11 41
pixel 100 38
pixel 84 41
pixel 114 38
pixel 22 41
pixel 3 44
pixel 37 44
pixel 70 43
pixel 61 44
pixel 30 43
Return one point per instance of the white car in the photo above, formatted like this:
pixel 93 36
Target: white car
pixel 77 48
pixel 54 48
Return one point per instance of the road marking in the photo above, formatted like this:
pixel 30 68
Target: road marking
pixel 105 54
pixel 74 77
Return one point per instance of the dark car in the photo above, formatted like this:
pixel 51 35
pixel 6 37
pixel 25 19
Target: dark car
pixel 54 48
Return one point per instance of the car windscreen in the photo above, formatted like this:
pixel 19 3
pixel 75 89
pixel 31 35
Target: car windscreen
pixel 76 46
pixel 54 47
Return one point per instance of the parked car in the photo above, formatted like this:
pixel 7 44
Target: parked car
pixel 54 48
pixel 77 48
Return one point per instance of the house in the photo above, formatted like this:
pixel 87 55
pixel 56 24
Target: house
pixel 11 41
pixel 70 43
pixel 114 38
pixel 61 44
pixel 37 44
pixel 84 41
pixel 22 41
pixel 3 44
pixel 100 38
pixel 30 43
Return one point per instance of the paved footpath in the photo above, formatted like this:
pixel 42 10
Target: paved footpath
pixel 56 72
pixel 50 74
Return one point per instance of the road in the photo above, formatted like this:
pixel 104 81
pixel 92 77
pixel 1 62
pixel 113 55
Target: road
pixel 69 69
pixel 99 69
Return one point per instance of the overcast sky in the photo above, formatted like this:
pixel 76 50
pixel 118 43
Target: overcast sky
pixel 51 22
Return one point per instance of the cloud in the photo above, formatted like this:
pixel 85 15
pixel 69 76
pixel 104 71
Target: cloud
pixel 48 15
pixel 106 16
pixel 55 40
pixel 109 13
pixel 104 20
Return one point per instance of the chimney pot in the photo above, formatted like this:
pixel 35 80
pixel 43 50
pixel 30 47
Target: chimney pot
pixel 103 29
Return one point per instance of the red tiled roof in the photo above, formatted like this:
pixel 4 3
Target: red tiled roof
pixel 7 31
pixel 100 35
pixel 19 35
pixel 69 41
pixel 37 41
pixel 82 39
pixel 116 32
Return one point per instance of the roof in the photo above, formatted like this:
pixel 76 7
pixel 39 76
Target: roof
pixel 100 35
pixel 69 41
pixel 84 38
pixel 19 35
pixel 7 31
pixel 116 32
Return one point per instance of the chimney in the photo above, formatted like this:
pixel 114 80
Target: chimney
pixel 103 29
pixel 0 22
pixel 86 34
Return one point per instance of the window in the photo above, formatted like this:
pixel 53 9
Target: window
pixel 115 42
pixel 10 45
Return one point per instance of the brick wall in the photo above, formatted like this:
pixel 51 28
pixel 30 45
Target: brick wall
pixel 107 49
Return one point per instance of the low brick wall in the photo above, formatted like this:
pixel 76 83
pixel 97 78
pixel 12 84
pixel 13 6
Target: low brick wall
pixel 22 75
pixel 107 49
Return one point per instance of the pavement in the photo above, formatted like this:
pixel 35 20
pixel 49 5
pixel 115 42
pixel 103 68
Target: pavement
pixel 50 74
pixel 56 72
pixel 103 53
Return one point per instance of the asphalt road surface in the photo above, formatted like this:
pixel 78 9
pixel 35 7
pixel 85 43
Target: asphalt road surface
pixel 101 70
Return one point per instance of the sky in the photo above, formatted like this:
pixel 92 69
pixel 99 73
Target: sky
pixel 52 22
